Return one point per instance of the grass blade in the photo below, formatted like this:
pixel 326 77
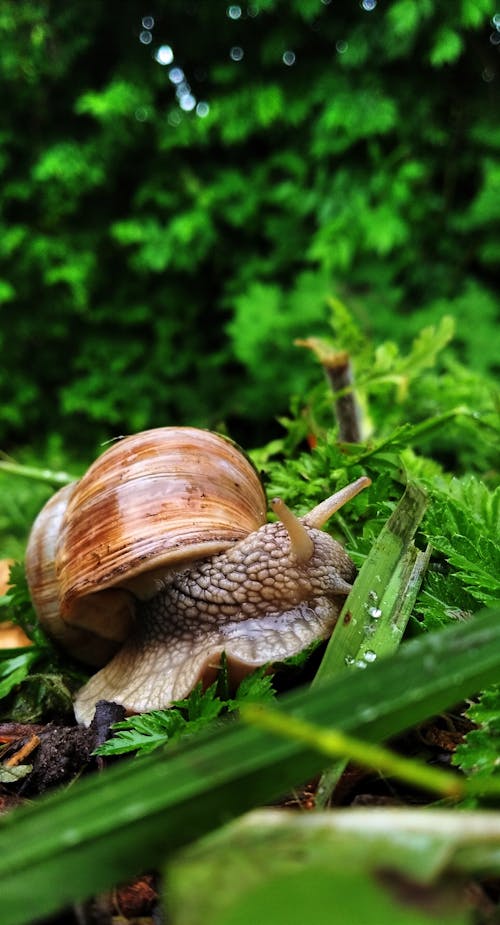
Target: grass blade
pixel 374 616
pixel 75 843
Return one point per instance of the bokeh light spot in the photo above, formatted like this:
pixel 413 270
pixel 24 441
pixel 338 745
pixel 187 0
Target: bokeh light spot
pixel 164 55
pixel 174 118
pixel 176 75
pixel 187 102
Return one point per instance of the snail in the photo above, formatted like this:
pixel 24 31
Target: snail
pixel 159 559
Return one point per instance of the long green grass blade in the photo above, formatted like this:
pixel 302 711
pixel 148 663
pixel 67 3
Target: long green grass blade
pixel 374 616
pixel 334 743
pixel 74 843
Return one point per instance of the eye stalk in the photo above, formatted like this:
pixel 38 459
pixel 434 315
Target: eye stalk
pixel 300 541
pixel 323 511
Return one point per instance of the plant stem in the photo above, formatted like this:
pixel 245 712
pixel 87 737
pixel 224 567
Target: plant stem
pixel 39 475
pixel 338 370
pixel 337 744
pixel 340 376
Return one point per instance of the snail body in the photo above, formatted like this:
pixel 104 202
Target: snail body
pixel 160 559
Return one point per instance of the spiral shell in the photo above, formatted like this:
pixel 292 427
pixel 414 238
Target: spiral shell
pixel 152 503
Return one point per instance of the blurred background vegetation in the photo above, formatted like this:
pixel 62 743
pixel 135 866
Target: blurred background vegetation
pixel 186 187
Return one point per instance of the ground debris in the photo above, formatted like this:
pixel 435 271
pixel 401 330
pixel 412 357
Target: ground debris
pixel 134 903
pixel 57 753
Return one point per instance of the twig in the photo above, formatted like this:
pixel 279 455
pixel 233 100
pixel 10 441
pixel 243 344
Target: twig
pixel 23 752
pixel 338 370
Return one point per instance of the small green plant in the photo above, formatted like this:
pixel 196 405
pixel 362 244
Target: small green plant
pixel 145 732
pixel 36 681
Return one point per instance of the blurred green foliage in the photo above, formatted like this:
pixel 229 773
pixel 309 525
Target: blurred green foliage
pixel 158 259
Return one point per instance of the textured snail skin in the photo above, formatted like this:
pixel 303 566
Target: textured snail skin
pixel 256 602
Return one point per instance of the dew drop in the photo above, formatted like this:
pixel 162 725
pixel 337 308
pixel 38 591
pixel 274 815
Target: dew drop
pixel 236 53
pixel 146 37
pixel 360 663
pixel 349 660
pixel 289 58
pixel 370 655
pixel 375 613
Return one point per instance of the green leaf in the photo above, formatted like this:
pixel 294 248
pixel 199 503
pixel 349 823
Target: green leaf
pixel 119 98
pixel 12 775
pixel 313 895
pixel 474 13
pixel 479 754
pixel 447 47
pixel 463 524
pixel 7 291
pixel 426 847
pixel 147 731
pixel 258 686
pixel 14 669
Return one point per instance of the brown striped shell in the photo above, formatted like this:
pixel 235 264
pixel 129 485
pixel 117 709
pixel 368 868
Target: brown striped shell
pixel 152 503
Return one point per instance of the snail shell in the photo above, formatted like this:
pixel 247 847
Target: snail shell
pixel 150 504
